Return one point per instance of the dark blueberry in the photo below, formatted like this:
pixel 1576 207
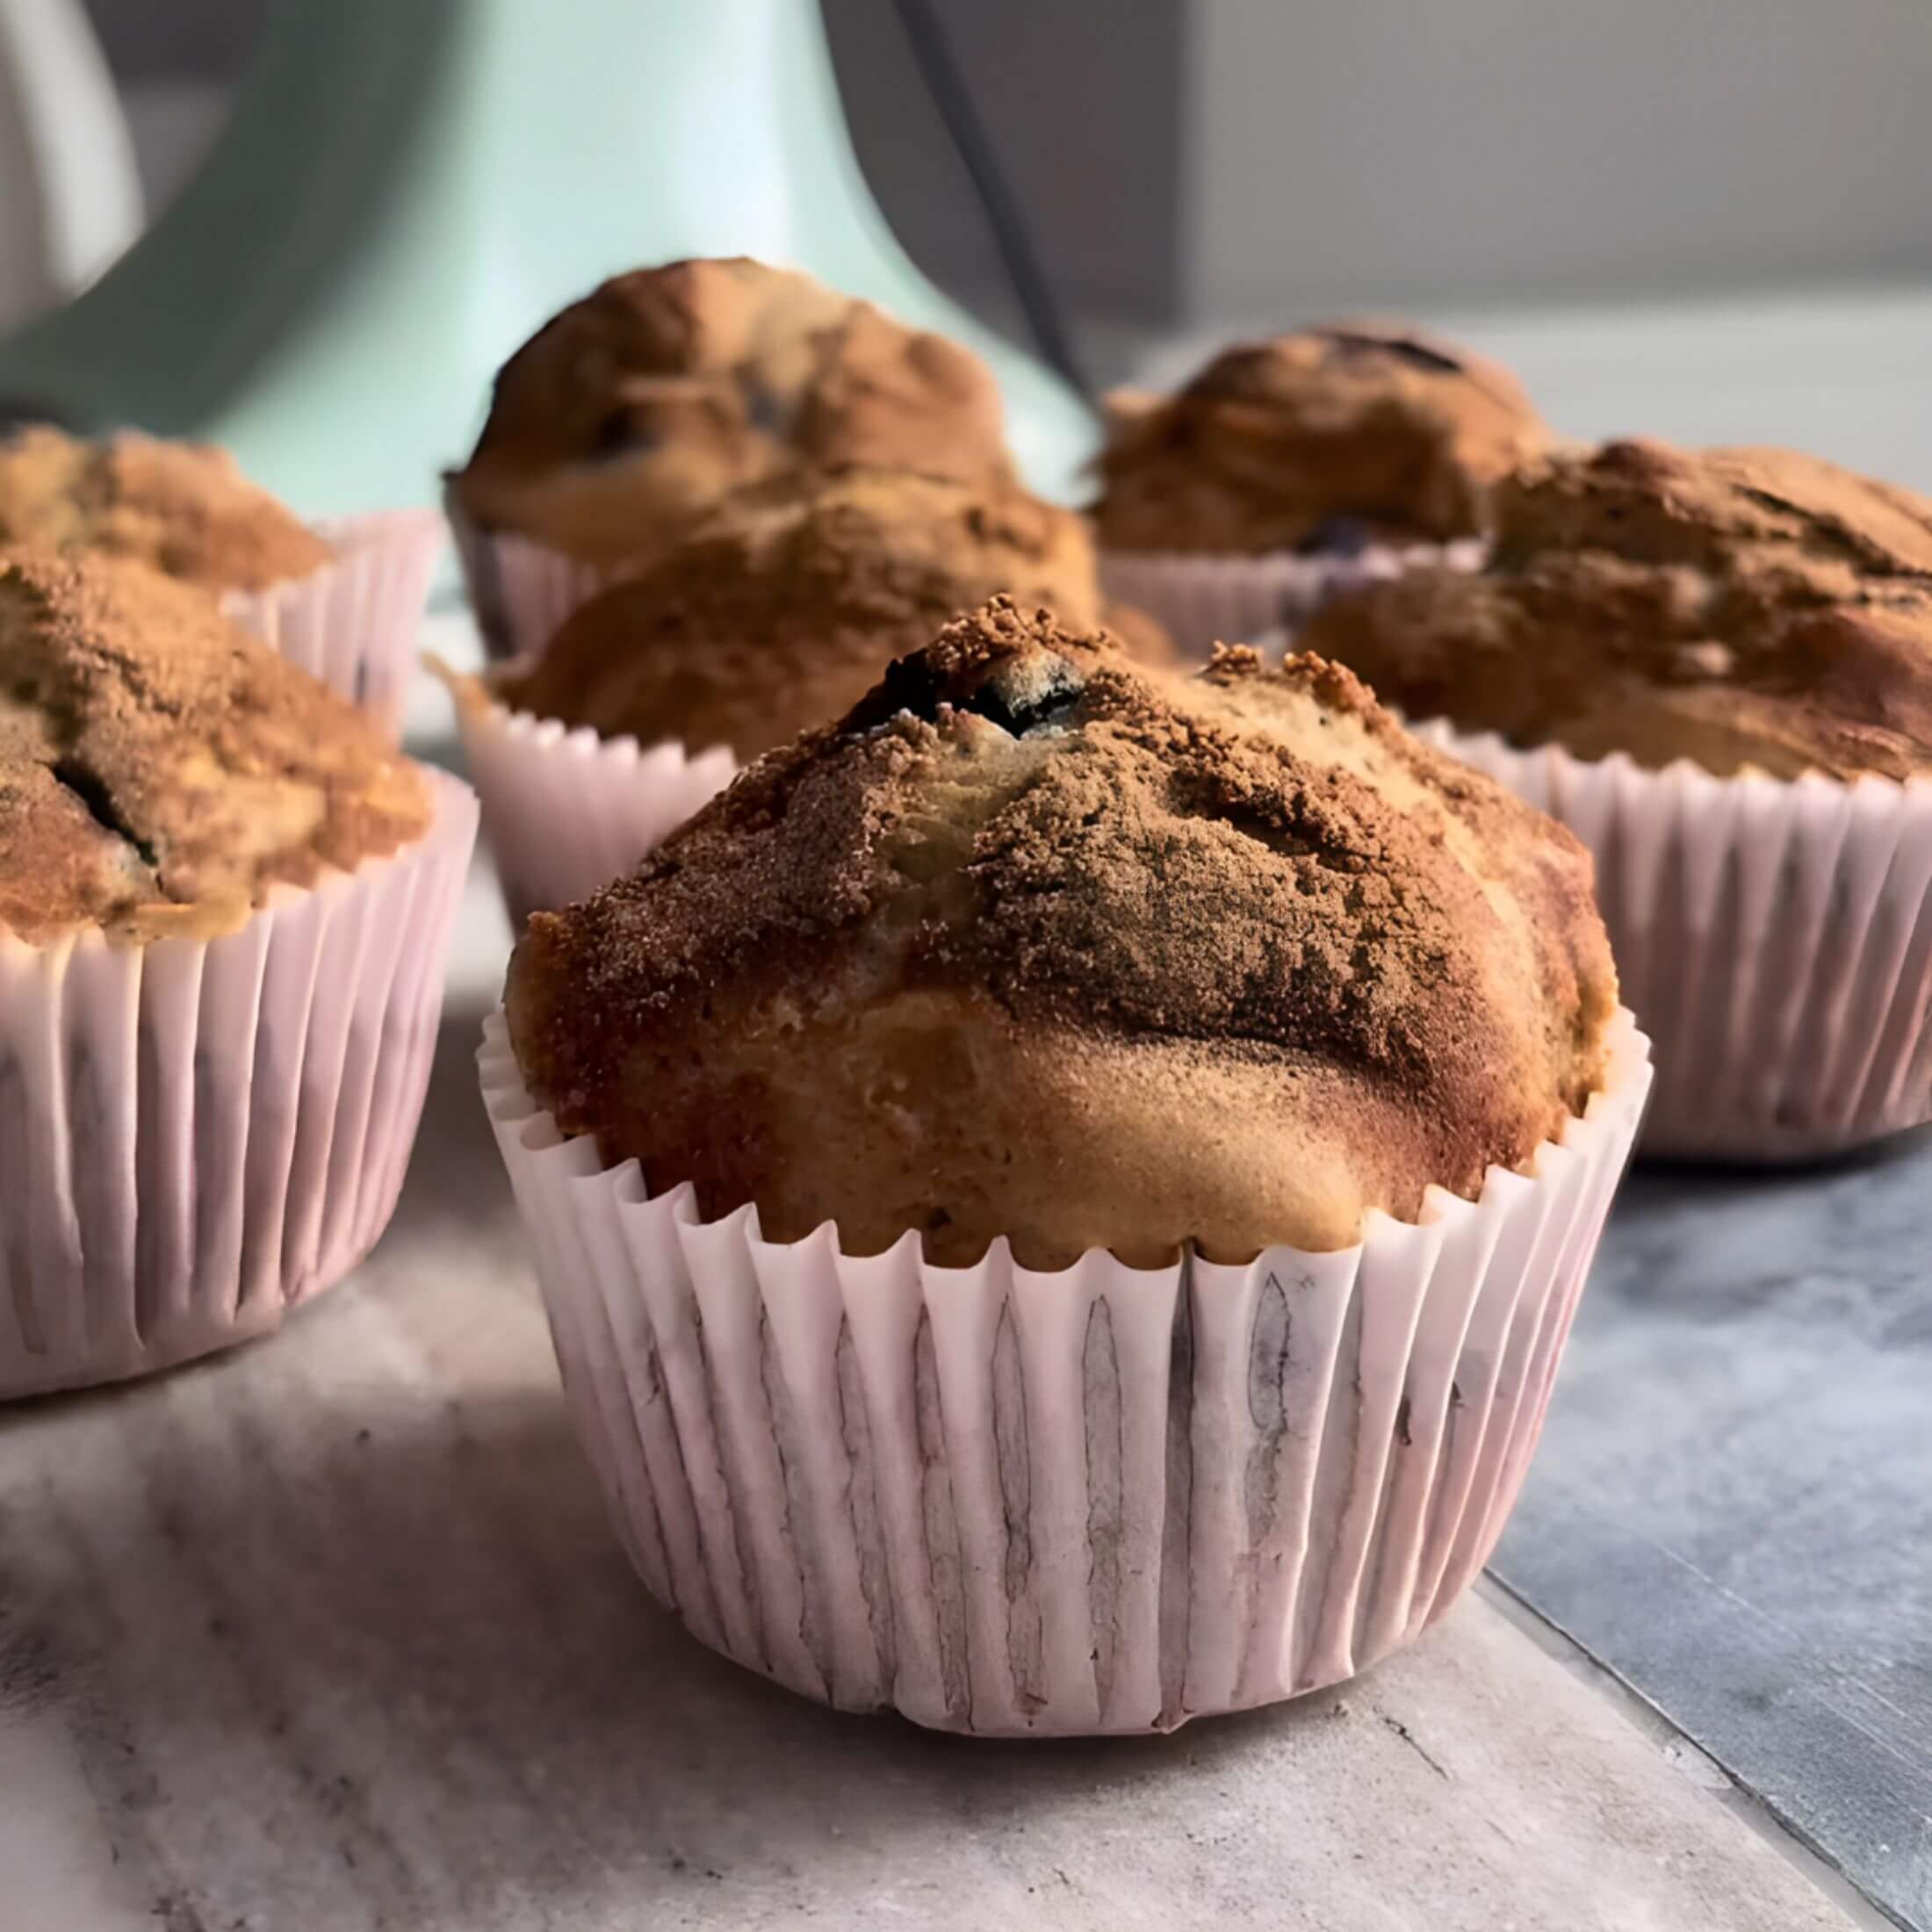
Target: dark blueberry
pixel 1418 354
pixel 1337 537
pixel 93 794
pixel 909 684
pixel 764 408
pixel 622 432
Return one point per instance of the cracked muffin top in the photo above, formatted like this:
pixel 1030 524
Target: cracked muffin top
pixel 184 507
pixel 161 771
pixel 781 608
pixel 664 388
pixel 1323 440
pixel 1739 608
pixel 1036 942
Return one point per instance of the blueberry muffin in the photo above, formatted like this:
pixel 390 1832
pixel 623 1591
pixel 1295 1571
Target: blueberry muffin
pixel 224 906
pixel 1716 665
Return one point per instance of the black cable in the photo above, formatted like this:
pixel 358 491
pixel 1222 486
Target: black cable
pixel 1011 235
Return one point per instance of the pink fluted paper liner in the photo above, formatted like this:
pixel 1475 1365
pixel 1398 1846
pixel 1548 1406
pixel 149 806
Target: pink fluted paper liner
pixel 1205 600
pixel 520 589
pixel 1774 936
pixel 199 1135
pixel 354 622
pixel 565 810
pixel 1106 1499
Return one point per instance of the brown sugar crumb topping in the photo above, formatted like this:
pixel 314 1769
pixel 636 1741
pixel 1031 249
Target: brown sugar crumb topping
pixel 781 608
pixel 184 507
pixel 667 387
pixel 1228 959
pixel 1739 608
pixel 1323 439
pixel 160 770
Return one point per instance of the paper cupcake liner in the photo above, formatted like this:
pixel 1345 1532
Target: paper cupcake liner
pixel 1773 936
pixel 197 1135
pixel 566 811
pixel 520 589
pixel 1208 600
pixel 1106 1499
pixel 354 622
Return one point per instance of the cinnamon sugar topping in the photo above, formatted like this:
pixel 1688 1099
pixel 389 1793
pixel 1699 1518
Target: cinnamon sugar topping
pixel 184 507
pixel 160 770
pixel 1038 942
pixel 664 388
pixel 1323 439
pixel 1739 608
pixel 780 607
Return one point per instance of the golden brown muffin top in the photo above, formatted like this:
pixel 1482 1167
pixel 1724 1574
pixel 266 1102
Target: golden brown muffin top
pixel 1325 439
pixel 160 769
pixel 783 605
pixel 184 507
pixel 1737 607
pixel 665 388
pixel 1038 942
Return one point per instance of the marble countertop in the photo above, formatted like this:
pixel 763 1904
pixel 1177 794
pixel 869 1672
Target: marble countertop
pixel 331 1634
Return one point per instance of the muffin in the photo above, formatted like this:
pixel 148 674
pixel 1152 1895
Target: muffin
pixel 343 600
pixel 777 611
pixel 1014 1078
pixel 224 902
pixel 1716 665
pixel 667 388
pixel 1288 468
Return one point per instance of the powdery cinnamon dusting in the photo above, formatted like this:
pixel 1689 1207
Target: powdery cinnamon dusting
pixel 1324 438
pixel 1037 942
pixel 160 769
pixel 1739 608
pixel 184 507
pixel 780 608
pixel 664 388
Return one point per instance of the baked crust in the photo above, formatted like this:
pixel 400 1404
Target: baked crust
pixel 1037 942
pixel 664 388
pixel 781 607
pixel 160 770
pixel 184 507
pixel 1739 608
pixel 1325 439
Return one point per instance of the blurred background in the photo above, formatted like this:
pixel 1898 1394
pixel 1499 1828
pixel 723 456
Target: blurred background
pixel 1709 220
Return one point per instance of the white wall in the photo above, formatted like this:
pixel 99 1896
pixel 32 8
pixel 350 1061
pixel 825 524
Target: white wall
pixel 1351 151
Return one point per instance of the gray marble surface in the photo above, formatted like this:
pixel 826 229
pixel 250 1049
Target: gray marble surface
pixel 1733 1502
pixel 331 1634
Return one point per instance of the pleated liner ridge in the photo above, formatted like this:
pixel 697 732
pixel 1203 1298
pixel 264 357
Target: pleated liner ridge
pixel 1105 1499
pixel 1774 937
pixel 566 811
pixel 197 1136
pixel 354 622
pixel 1204 599
pixel 520 589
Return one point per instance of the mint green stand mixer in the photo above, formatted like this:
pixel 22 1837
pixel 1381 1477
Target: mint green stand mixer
pixel 408 187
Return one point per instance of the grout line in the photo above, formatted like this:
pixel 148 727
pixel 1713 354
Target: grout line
pixel 1698 1766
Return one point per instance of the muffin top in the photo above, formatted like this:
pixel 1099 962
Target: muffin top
pixel 1323 440
pixel 160 769
pixel 781 608
pixel 1040 943
pixel 184 507
pixel 667 386
pixel 1739 608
